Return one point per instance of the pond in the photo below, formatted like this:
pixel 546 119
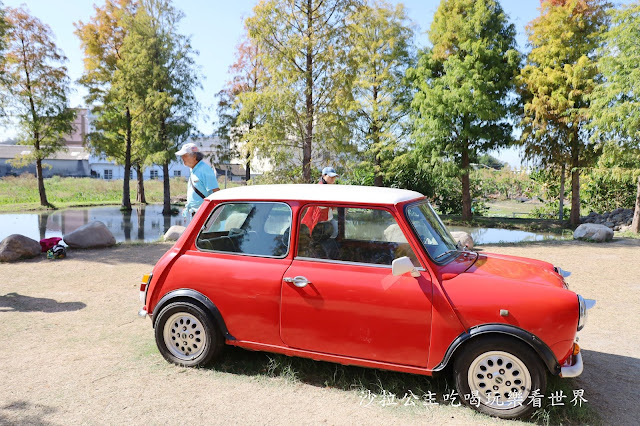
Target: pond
pixel 146 223
pixel 143 223
pixel 496 235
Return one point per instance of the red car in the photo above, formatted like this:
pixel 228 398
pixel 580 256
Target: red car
pixel 362 276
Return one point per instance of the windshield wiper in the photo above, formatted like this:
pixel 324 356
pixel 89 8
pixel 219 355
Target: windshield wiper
pixel 447 252
pixel 463 250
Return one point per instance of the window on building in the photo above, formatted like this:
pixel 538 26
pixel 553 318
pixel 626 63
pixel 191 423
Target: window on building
pixel 153 174
pixel 108 174
pixel 177 173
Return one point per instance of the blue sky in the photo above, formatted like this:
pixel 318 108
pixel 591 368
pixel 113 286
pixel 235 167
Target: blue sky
pixel 215 28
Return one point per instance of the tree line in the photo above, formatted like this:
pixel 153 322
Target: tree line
pixel 140 75
pixel 344 81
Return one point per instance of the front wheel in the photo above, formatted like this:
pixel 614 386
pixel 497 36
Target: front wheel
pixel 500 377
pixel 186 336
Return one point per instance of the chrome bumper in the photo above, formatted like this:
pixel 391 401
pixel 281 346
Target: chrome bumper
pixel 572 370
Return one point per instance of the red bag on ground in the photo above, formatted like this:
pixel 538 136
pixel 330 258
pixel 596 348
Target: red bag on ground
pixel 48 243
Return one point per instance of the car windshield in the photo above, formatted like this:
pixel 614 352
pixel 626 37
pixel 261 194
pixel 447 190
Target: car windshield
pixel 434 236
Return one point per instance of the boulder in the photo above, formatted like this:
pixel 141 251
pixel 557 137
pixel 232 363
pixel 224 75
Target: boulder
pixel 18 246
pixel 394 234
pixel 174 233
pixel 464 238
pixel 92 235
pixel 593 232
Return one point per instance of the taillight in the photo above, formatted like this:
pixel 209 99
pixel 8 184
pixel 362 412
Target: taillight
pixel 144 286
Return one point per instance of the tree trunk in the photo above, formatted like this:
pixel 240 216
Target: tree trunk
pixel 466 186
pixel 635 225
pixel 375 133
pixel 575 194
pixel 247 173
pixel 43 194
pixel 140 197
pixel 308 137
pixel 126 189
pixel 167 188
pixel 561 196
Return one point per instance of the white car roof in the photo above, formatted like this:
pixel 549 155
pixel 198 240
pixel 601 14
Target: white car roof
pixel 316 192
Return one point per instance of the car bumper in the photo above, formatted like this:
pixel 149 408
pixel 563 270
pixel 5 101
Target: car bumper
pixel 572 367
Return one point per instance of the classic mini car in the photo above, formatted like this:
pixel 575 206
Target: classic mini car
pixel 362 276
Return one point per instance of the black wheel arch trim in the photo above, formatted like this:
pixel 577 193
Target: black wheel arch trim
pixel 538 345
pixel 186 294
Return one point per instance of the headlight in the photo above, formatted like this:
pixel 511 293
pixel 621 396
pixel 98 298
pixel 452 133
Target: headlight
pixel 583 306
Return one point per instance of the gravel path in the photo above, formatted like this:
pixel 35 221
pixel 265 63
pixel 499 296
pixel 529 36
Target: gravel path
pixel 74 351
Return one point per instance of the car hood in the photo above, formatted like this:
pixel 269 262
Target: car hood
pixel 520 269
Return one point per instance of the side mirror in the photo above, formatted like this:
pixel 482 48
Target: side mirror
pixel 402 265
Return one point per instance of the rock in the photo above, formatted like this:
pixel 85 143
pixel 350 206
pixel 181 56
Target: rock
pixel 91 235
pixel 593 232
pixel 464 238
pixel 625 228
pixel 174 233
pixel 18 246
pixel 609 224
pixel 522 199
pixel 394 234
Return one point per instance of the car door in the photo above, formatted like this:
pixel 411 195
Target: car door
pixel 340 297
pixel 238 261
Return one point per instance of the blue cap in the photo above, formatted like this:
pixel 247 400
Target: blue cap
pixel 329 171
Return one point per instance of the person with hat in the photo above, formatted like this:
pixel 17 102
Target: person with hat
pixel 329 176
pixel 202 179
pixel 317 214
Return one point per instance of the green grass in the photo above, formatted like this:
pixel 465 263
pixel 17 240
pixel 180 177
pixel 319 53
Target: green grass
pixel 21 193
pixel 366 382
pixel 510 208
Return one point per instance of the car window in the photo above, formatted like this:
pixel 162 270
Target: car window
pixel 261 229
pixel 351 235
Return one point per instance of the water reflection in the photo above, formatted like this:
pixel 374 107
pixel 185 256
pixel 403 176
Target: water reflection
pixel 496 235
pixel 143 223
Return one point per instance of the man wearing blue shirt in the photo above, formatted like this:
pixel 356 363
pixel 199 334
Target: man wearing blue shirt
pixel 202 179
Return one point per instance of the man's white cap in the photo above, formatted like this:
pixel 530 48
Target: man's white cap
pixel 188 148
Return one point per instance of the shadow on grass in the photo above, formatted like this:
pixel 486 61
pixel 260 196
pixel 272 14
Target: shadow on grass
pixel 14 302
pixel 25 413
pixel 366 381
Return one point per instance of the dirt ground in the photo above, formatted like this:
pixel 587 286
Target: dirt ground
pixel 74 351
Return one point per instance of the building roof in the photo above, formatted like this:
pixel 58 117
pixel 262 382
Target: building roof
pixel 234 169
pixel 306 192
pixel 72 153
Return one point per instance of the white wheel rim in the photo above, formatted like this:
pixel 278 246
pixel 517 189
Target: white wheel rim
pixel 502 380
pixel 184 336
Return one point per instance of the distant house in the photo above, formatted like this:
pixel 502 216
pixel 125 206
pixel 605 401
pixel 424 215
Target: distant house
pixel 74 162
pixel 77 161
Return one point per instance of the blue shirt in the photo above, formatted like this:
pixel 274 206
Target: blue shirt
pixel 204 178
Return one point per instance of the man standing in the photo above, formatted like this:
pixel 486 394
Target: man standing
pixel 202 179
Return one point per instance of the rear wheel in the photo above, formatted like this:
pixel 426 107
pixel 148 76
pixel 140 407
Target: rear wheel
pixel 497 375
pixel 186 335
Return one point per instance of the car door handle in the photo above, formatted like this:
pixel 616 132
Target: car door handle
pixel 298 281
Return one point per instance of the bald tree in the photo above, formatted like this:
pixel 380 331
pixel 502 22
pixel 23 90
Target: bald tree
pixel 560 74
pixel 464 85
pixel 615 104
pixel 35 89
